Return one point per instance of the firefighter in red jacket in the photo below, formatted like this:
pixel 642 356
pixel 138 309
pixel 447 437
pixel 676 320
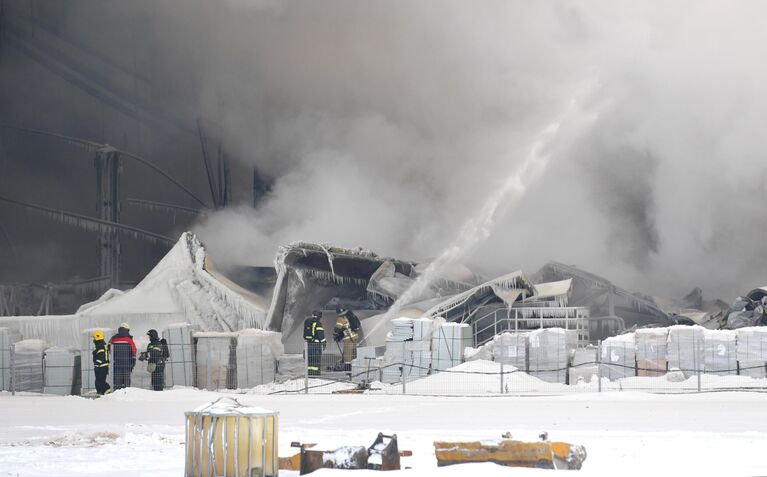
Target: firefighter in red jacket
pixel 123 356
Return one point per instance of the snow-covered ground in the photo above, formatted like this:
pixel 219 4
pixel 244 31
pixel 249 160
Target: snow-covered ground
pixel 140 433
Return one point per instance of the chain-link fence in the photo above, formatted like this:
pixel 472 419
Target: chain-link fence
pixel 662 360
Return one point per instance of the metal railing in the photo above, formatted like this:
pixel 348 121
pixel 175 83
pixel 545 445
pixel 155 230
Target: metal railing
pixel 516 319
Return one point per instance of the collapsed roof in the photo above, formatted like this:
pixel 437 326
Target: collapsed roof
pixel 605 299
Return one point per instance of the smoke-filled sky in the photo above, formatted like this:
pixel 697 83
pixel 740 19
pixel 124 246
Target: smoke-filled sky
pixel 387 124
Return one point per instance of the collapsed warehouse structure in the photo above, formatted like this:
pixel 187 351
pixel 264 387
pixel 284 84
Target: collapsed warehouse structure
pixel 224 335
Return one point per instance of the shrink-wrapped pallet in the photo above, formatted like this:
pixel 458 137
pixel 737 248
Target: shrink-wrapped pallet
pixel 215 360
pixel 618 358
pixel 28 365
pixel 548 354
pixel 685 349
pixel 511 349
pixel 257 355
pixel 179 368
pixel 751 351
pixel 62 371
pixel 651 351
pixel 448 343
pixel 7 338
pixel 290 366
pixel 720 352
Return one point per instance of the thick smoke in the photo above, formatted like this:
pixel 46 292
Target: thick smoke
pixel 386 124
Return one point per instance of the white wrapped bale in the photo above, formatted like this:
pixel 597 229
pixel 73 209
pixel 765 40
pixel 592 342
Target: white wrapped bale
pixel 290 366
pixel 618 358
pixel 651 351
pixel 7 338
pixel 685 349
pixel 719 352
pixel 548 354
pixel 87 375
pixel 511 349
pixel 215 360
pixel 406 356
pixel 751 351
pixel 179 369
pixel 448 343
pixel 28 365
pixel 257 355
pixel 62 371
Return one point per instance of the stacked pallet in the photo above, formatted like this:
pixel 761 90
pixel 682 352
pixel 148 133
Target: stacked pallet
pixel 583 365
pixel 62 371
pixel 290 366
pixel 618 359
pixel 720 352
pixel 408 349
pixel 511 349
pixel 651 351
pixel 179 369
pixel 28 365
pixel 366 366
pixel 215 360
pixel 448 343
pixel 685 349
pixel 7 338
pixel 751 351
pixel 257 355
pixel 548 354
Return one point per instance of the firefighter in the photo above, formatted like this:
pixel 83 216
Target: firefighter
pixel 100 362
pixel 123 356
pixel 314 335
pixel 156 354
pixel 345 332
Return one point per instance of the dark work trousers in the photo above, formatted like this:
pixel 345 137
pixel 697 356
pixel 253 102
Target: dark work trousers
pixel 158 377
pixel 315 358
pixel 102 385
pixel 121 376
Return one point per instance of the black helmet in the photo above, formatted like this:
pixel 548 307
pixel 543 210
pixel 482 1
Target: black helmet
pixel 317 314
pixel 341 310
pixel 152 334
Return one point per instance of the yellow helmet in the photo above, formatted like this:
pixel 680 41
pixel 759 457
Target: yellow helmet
pixel 98 335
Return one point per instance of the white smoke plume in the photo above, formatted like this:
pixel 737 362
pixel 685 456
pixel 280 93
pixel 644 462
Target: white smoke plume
pixel 386 124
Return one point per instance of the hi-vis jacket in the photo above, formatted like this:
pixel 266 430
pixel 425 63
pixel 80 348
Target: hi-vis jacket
pixel 313 331
pixel 101 354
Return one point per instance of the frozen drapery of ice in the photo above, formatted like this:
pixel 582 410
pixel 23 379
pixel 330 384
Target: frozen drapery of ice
pixel 180 284
pixel 514 280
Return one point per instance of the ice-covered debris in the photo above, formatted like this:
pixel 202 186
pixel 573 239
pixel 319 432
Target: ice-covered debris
pixel 108 295
pixel 227 406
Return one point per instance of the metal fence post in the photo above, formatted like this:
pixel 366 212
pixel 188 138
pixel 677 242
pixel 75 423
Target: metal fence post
pixel 501 378
pixel 599 366
pixel 13 369
pixel 695 360
pixel 306 367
